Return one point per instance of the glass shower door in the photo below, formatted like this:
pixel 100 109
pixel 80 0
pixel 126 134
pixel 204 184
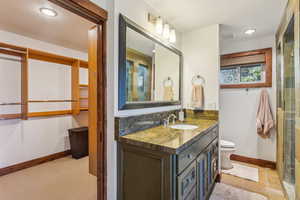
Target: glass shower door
pixel 289 110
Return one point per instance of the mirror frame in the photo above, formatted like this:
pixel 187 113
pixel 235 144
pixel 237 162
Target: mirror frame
pixel 125 23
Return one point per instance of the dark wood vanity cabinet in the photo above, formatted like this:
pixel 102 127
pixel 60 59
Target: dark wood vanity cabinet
pixel 190 174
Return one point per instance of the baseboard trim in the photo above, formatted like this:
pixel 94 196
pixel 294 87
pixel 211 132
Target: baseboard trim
pixel 254 161
pixel 34 162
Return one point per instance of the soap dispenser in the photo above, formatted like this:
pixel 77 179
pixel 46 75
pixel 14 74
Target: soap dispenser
pixel 181 115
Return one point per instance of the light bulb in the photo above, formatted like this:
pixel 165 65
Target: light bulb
pixel 159 25
pixel 172 38
pixel 166 33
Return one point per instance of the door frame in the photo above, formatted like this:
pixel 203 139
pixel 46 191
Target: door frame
pixel 97 15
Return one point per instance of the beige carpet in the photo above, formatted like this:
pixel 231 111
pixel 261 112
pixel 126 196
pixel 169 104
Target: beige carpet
pixel 62 179
pixel 243 171
pixel 226 192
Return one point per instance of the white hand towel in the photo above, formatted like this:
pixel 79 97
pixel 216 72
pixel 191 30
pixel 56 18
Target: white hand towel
pixel 197 97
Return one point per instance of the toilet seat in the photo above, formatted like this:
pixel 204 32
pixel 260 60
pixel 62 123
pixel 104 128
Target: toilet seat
pixel 227 144
pixel 224 149
pixel 227 148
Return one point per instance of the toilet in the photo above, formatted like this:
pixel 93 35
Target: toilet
pixel 227 148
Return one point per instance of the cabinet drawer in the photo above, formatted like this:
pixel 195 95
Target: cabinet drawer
pixel 191 153
pixel 186 181
pixel 192 195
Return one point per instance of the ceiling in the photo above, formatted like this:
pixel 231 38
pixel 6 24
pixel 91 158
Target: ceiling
pixel 69 30
pixel 234 15
pixel 23 17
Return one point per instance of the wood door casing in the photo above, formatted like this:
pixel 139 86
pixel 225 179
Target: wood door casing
pixel 97 88
pixel 97 107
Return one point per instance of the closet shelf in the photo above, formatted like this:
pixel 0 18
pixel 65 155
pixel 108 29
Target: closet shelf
pixel 12 50
pixel 51 101
pixel 54 58
pixel 84 109
pixel 50 113
pixel 10 116
pixel 27 53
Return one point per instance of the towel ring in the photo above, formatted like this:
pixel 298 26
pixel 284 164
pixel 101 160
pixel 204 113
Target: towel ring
pixel 168 80
pixel 198 78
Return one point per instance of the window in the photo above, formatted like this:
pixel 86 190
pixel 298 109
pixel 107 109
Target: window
pixel 247 69
pixel 243 74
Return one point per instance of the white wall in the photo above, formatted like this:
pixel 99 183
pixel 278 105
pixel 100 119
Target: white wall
pixel 23 140
pixel 201 57
pixel 238 108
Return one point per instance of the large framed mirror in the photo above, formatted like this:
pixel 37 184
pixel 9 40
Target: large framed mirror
pixel 150 70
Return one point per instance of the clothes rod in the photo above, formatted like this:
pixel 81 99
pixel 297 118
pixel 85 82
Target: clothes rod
pixel 10 104
pixel 12 50
pixel 50 101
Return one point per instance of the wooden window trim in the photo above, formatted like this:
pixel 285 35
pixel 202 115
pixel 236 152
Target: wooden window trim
pixel 268 68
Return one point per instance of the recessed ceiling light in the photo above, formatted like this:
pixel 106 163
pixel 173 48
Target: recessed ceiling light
pixel 250 31
pixel 48 12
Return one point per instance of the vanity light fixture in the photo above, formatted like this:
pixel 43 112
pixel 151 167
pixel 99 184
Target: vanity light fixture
pixel 166 33
pixel 48 12
pixel 162 29
pixel 250 31
pixel 172 38
pixel 159 25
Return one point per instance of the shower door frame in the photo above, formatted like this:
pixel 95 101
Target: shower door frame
pixel 291 10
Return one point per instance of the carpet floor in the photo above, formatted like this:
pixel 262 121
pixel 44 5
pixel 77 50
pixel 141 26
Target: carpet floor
pixel 62 179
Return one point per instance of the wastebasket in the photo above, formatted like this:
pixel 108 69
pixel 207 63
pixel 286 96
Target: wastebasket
pixel 79 142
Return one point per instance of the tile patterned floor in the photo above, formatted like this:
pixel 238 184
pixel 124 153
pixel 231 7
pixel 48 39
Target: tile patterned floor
pixel 269 184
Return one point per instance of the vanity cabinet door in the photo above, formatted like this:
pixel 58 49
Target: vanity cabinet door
pixel 215 159
pixel 202 176
pixel 186 181
pixel 209 166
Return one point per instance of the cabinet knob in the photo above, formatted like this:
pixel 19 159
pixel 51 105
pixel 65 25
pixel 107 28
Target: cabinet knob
pixel 189 156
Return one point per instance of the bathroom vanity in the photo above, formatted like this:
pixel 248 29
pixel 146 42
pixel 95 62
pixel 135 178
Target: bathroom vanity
pixel 168 164
pixel 157 162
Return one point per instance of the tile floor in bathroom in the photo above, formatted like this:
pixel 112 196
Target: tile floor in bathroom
pixel 269 184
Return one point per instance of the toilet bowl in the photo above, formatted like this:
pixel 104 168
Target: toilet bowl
pixel 227 148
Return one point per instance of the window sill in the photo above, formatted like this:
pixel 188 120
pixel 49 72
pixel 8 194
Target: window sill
pixel 250 85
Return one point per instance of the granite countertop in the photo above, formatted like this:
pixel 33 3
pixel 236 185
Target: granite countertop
pixel 167 139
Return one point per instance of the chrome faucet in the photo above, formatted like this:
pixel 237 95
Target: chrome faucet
pixel 167 121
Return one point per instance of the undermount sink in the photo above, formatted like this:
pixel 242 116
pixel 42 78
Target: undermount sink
pixel 183 127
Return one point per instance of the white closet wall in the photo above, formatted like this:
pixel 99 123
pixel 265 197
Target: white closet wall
pixel 23 140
